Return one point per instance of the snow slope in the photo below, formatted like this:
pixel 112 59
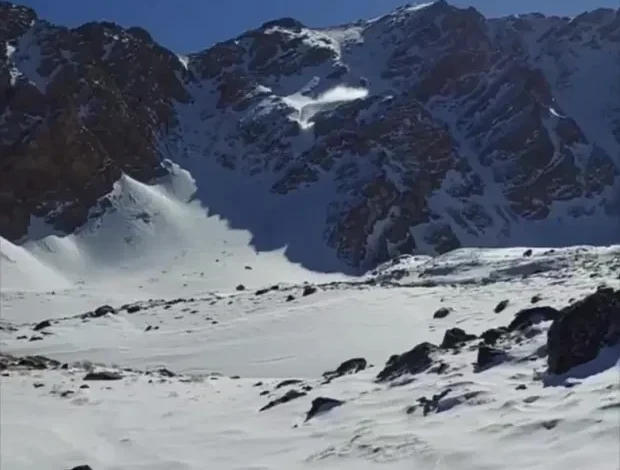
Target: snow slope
pixel 206 417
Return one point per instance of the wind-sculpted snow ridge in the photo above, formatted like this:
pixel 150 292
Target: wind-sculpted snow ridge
pixel 425 130
pixel 468 360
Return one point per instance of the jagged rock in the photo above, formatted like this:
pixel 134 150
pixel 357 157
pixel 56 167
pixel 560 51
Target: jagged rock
pixel 530 316
pixel 322 405
pixel 103 375
pixel 413 361
pixel 442 312
pixel 290 298
pixel 288 396
pixel 133 308
pixel 350 366
pixel 308 290
pixel 455 337
pixel 492 335
pixel 582 329
pixel 536 298
pixel 501 306
pixel 527 252
pixel 488 356
pixel 166 372
pixel 42 324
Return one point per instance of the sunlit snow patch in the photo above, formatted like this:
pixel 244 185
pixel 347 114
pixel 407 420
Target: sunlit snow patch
pixel 306 107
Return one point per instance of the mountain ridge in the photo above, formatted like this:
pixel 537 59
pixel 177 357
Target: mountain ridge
pixel 424 130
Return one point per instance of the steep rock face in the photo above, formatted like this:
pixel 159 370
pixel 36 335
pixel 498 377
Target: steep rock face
pixel 432 126
pixel 78 108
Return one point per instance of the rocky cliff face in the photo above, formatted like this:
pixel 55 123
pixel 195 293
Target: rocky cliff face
pixel 433 126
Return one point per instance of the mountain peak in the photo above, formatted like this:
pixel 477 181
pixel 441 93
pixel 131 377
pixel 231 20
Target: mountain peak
pixel 411 133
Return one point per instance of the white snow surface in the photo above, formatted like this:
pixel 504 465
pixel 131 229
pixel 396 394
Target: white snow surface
pixel 207 418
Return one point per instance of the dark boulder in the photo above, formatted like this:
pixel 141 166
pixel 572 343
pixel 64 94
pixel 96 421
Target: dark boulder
pixel 531 316
pixel 582 329
pixel 501 306
pixel 288 396
pixel 455 337
pixel 322 405
pixel 103 310
pixel 82 467
pixel 103 375
pixel 350 366
pixel 308 290
pixel 488 357
pixel 442 312
pixel 413 361
pixel 44 324
pixel 492 335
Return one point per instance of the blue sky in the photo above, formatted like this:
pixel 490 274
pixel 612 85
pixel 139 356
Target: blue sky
pixel 191 25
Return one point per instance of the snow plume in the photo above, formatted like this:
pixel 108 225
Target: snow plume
pixel 306 107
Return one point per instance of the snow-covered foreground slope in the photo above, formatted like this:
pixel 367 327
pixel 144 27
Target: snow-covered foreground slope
pixel 232 350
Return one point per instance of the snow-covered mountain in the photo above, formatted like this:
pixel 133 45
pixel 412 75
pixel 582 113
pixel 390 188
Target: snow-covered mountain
pixel 421 131
pixel 261 255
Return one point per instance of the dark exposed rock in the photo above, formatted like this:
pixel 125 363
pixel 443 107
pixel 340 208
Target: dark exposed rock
pixel 413 361
pixel 99 312
pixel 322 405
pixel 308 290
pixel 288 383
pixel 103 375
pixel 501 306
pixel 350 366
pixel 240 287
pixel 530 316
pixel 133 308
pixel 82 467
pixel 35 338
pixel 536 298
pixel 262 291
pixel 290 298
pixel 527 252
pixel 492 335
pixel 442 312
pixel 288 396
pixel 166 372
pixel 455 337
pixel 488 356
pixel 583 329
pixel 42 324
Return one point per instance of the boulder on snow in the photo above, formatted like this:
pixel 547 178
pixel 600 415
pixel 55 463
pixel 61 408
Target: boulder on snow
pixel 582 329
pixel 308 290
pixel 82 467
pixel 491 335
pixel 350 366
pixel 443 312
pixel 288 396
pixel 501 306
pixel 103 375
pixel 530 316
pixel 413 361
pixel 455 337
pixel 42 324
pixel 488 357
pixel 322 405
